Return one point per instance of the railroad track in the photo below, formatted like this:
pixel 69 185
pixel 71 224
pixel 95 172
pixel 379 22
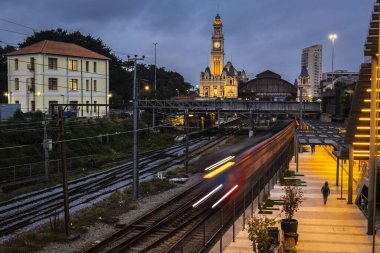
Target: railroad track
pixel 164 228
pixel 37 207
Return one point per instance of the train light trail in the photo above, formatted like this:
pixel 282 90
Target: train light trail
pixel 219 170
pixel 225 196
pixel 207 196
pixel 211 167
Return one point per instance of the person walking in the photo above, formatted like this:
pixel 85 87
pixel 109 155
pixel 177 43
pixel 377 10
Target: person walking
pixel 325 192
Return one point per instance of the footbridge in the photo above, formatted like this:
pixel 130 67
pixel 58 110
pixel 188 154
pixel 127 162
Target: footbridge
pixel 231 106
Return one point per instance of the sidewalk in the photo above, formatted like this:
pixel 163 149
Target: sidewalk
pixel 336 227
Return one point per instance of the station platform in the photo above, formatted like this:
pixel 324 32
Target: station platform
pixel 334 227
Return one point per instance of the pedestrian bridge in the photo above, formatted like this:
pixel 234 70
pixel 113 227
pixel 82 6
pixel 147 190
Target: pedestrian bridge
pixel 232 106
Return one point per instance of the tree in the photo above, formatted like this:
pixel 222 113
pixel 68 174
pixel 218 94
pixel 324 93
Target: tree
pixel 258 227
pixel 3 71
pixel 121 75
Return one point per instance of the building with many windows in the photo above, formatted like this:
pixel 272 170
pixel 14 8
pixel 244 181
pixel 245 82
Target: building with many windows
pixel 312 60
pixel 52 72
pixel 220 81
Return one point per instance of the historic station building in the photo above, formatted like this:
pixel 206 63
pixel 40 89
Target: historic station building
pixel 268 86
pixel 220 81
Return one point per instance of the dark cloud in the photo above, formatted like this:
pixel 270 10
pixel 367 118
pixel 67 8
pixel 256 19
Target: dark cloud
pixel 266 34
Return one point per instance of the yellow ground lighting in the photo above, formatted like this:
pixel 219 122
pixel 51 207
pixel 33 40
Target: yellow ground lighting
pixel 369 100
pixel 219 170
pixel 361 151
pixel 362 135
pixel 362 143
pixel 365 128
pixel 366 119
pixel 369 110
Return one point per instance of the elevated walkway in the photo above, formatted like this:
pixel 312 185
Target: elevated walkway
pixel 232 105
pixel 336 227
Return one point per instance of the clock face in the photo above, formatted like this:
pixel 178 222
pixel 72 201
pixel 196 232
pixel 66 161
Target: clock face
pixel 217 44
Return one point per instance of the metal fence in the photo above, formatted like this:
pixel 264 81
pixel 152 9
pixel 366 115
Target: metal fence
pixel 15 173
pixel 211 234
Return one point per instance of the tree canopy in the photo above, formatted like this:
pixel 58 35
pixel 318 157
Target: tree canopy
pixel 121 76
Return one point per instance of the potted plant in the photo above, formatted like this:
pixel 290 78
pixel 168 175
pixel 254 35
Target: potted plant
pixel 258 227
pixel 292 199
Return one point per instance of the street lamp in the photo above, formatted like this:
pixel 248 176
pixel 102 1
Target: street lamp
pixel 63 98
pixel 146 88
pixel 332 37
pixel 177 91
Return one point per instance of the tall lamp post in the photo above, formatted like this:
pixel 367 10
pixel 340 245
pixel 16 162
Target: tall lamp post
pixel 332 37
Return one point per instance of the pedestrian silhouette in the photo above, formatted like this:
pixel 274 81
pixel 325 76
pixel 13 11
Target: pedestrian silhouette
pixel 325 192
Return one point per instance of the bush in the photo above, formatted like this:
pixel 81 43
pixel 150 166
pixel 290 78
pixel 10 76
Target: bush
pixel 293 198
pixel 258 233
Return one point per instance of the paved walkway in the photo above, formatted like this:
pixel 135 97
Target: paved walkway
pixel 336 227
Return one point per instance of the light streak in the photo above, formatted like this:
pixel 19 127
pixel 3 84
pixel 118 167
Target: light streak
pixel 207 196
pixel 219 170
pixel 229 158
pixel 225 196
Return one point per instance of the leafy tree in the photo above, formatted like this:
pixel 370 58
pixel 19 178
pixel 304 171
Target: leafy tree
pixel 3 71
pixel 121 74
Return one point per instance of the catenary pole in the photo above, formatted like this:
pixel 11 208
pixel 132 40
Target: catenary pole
pixel 155 82
pixel 135 127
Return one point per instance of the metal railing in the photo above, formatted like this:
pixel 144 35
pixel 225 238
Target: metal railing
pixel 210 233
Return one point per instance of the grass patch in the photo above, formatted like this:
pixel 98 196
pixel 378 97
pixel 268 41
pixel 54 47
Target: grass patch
pixel 32 241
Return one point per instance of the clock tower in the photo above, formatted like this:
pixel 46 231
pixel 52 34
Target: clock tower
pixel 217 48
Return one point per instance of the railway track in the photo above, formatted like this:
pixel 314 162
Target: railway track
pixel 164 228
pixel 37 207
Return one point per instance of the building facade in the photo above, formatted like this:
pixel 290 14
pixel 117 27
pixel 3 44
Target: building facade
pixel 312 60
pixel 220 81
pixel 268 86
pixel 304 84
pixel 51 72
pixel 329 79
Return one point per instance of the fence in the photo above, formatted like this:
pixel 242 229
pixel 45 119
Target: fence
pixel 15 173
pixel 210 234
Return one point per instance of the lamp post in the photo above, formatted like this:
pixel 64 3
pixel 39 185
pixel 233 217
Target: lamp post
pixel 63 98
pixel 332 37
pixel 7 96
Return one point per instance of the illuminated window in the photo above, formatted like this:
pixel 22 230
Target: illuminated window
pixel 73 65
pixel 215 91
pixel 73 84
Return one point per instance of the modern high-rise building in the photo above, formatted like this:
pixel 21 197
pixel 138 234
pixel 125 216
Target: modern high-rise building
pixel 312 60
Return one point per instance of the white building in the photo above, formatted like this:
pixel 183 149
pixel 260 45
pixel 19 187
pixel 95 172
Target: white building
pixel 312 59
pixel 52 72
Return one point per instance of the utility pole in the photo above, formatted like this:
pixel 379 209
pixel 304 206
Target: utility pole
pixel 46 149
pixel 187 141
pixel 135 128
pixel 155 81
pixel 61 139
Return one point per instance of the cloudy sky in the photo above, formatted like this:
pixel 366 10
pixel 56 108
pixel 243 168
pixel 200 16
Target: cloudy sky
pixel 259 34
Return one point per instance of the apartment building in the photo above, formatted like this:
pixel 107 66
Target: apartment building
pixel 51 72
pixel 312 60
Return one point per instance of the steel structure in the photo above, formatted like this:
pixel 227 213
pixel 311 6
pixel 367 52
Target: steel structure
pixel 231 106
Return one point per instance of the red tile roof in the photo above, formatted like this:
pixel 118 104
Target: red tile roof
pixel 58 48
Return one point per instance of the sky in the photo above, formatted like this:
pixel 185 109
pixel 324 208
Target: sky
pixel 258 34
